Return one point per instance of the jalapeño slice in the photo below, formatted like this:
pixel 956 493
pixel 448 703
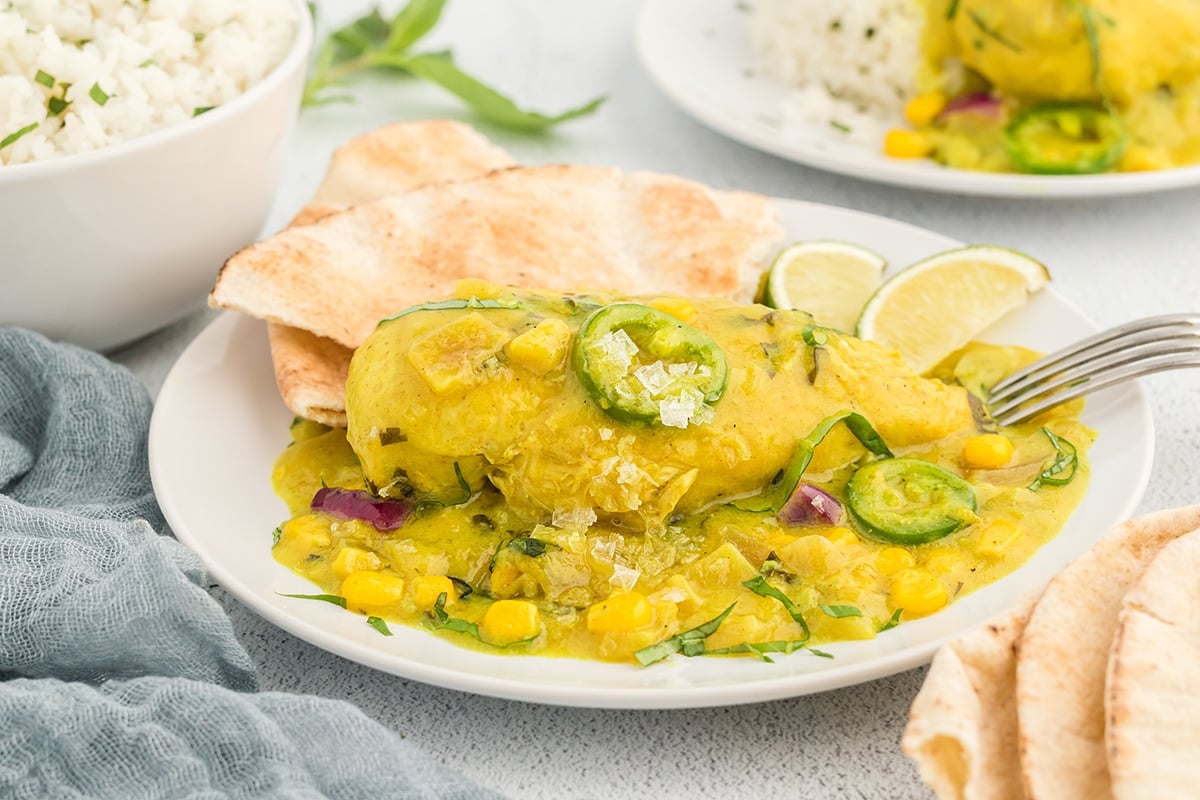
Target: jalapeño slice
pixel 641 365
pixel 1065 139
pixel 909 501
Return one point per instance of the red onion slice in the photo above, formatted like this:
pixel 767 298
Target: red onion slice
pixel 386 515
pixel 980 103
pixel 809 505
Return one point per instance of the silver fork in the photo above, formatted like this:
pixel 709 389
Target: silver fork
pixel 1143 347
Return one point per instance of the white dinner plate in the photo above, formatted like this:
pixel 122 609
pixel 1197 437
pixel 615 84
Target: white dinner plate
pixel 699 54
pixel 219 424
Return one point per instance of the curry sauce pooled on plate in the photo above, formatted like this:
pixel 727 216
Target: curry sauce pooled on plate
pixel 625 478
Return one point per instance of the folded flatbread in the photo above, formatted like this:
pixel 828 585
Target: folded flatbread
pixel 311 370
pixel 1152 701
pixel 962 728
pixel 556 227
pixel 1063 657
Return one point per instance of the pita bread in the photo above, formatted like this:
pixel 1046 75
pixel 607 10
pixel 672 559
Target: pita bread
pixel 556 227
pixel 310 370
pixel 1152 728
pixel 1063 656
pixel 962 729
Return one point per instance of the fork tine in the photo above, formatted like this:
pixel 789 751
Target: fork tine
pixel 1104 342
pixel 1129 371
pixel 1084 368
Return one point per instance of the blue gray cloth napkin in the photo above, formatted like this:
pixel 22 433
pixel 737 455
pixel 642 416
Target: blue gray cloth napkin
pixel 119 676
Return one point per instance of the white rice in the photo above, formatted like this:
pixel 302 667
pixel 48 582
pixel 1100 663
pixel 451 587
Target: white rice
pixel 853 63
pixel 158 62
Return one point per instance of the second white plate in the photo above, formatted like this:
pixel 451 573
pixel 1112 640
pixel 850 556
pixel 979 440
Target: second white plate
pixel 219 424
pixel 699 54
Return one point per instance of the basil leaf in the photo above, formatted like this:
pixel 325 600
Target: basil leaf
pixel 380 625
pixel 364 34
pixel 412 23
pixel 758 584
pixel 442 621
pixel 690 642
pixel 780 489
pixel 1066 460
pixel 841 612
pixel 328 598
pixel 820 653
pixel 12 137
pixel 489 104
pixel 892 622
pixel 760 649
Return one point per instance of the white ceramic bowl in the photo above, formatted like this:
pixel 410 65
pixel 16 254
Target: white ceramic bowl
pixel 101 248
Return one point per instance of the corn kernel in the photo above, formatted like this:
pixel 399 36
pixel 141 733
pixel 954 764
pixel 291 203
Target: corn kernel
pixel 900 143
pixel 996 537
pixel 924 108
pixel 428 588
pixel 367 591
pixel 542 347
pixel 891 560
pixel 942 560
pixel 509 621
pixel 307 533
pixel 467 288
pixel 987 451
pixel 1139 158
pixel 842 537
pixel 620 612
pixel 353 559
pixel 918 592
pixel 677 307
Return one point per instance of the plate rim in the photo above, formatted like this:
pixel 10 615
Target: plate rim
pixel 922 175
pixel 307 626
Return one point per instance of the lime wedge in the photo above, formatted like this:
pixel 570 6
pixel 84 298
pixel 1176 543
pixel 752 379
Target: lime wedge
pixel 829 279
pixel 932 308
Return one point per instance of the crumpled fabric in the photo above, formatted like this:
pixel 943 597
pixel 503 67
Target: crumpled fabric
pixel 122 677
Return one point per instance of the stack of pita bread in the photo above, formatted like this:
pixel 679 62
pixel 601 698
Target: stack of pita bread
pixel 406 211
pixel 1089 692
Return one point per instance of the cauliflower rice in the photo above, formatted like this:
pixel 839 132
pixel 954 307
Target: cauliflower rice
pixel 853 63
pixel 92 73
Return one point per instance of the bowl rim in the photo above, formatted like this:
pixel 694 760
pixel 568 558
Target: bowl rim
pixel 296 57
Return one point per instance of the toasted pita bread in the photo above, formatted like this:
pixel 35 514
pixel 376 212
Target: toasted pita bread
pixel 962 728
pixel 310 370
pixel 1063 656
pixel 556 227
pixel 1152 697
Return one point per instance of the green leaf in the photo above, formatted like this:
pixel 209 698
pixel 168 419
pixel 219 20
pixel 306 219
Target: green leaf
pixel 841 612
pixel 327 598
pixel 275 534
pixel 363 35
pixel 440 620
pixel 1066 460
pixel 777 493
pixel 485 101
pixel 992 33
pixel 56 105
pixel 12 137
pixel 380 625
pixel 820 653
pixel 893 621
pixel 412 23
pixel 760 649
pixel 690 642
pixel 758 584
pixel 198 110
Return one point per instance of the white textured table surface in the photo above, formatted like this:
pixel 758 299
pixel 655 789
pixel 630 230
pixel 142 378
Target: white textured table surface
pixel 1118 259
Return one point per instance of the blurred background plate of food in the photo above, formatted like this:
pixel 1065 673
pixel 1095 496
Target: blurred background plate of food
pixel 140 144
pixel 946 95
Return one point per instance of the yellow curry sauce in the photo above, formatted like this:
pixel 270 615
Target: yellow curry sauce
pixel 1136 62
pixel 543 524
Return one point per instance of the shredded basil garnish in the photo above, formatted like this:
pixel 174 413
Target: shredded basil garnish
pixel 327 598
pixel 892 622
pixel 465 589
pixel 1061 470
pixel 780 489
pixel 45 79
pixel 440 620
pixel 389 436
pixel 841 126
pixel 198 110
pixel 760 649
pixel 758 584
pixel 841 612
pixel 380 625
pixel 275 534
pixel 56 105
pixel 820 653
pixel 12 137
pixel 98 94
pixel 952 9
pixel 689 643
pixel 991 32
